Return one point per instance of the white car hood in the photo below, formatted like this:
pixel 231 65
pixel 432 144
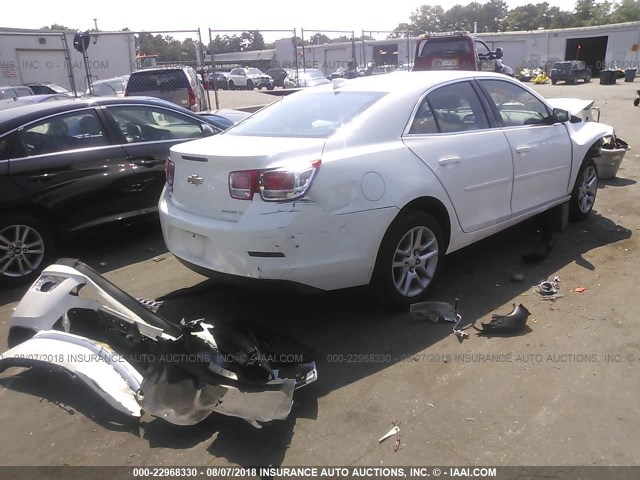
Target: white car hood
pixel 572 105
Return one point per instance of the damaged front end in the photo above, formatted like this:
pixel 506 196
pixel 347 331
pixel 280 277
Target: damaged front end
pixel 73 319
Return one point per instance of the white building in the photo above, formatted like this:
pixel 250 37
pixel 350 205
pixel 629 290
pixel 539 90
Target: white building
pixel 46 56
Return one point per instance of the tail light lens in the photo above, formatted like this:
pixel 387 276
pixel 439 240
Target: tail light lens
pixel 243 184
pixel 275 185
pixel 169 172
pixel 192 97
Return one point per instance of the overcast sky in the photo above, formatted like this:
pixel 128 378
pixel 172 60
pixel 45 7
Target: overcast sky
pixel 229 14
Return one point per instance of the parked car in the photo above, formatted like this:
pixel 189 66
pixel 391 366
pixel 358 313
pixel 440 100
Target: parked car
pixel 13 91
pixel 311 77
pixel 278 75
pixel 74 165
pixel 225 117
pixel 373 181
pixel 219 80
pixel 249 78
pixel 46 88
pixel 30 99
pixel 110 87
pixel 457 51
pixel 570 71
pixel 179 85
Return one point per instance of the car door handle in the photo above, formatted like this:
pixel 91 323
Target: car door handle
pixel 43 177
pixel 523 149
pixel 145 162
pixel 449 160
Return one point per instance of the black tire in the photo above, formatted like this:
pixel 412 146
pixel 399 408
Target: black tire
pixel 636 102
pixel 554 81
pixel 271 87
pixel 583 196
pixel 26 247
pixel 389 277
pixel 250 85
pixel 587 79
pixel 232 86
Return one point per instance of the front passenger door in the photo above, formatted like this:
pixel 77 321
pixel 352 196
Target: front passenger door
pixel 541 151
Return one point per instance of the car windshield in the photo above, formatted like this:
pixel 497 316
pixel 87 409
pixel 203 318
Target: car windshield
pixel 562 66
pixel 314 115
pixel 253 71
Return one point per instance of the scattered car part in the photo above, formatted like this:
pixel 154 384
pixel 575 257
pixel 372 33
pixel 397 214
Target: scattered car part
pixel 440 311
pixel 513 322
pixel 434 311
pixel 390 433
pixel 547 288
pixel 74 319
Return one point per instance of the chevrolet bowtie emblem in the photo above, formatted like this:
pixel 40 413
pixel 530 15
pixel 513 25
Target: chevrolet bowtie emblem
pixel 195 180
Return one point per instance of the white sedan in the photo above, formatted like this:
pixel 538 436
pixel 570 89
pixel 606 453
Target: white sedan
pixel 373 180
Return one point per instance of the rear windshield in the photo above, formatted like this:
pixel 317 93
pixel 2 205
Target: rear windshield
pixel 563 66
pixel 157 80
pixel 317 115
pixel 449 46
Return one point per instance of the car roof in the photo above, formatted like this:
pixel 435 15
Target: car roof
pixel 407 82
pixel 14 117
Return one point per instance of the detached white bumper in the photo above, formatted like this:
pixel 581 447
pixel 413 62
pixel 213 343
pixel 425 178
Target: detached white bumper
pixel 298 242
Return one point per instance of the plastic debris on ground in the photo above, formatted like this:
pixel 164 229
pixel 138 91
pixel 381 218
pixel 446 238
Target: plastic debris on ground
pixel 512 322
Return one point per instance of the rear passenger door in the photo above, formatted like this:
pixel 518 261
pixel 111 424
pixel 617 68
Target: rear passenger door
pixel 147 133
pixel 453 136
pixel 69 165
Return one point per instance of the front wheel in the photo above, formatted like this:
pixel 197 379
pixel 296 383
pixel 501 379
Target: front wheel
pixel 409 259
pixel 587 79
pixel 26 246
pixel 249 85
pixel 232 86
pixel 584 192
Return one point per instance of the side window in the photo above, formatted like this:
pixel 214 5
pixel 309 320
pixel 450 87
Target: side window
pixel 424 121
pixel 515 105
pixel 63 132
pixel 151 124
pixel 457 108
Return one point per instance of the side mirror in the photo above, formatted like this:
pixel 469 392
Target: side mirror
pixel 560 116
pixel 499 53
pixel 208 130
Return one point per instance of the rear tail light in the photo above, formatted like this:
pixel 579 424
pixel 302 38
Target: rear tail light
pixel 192 97
pixel 169 172
pixel 275 185
pixel 243 184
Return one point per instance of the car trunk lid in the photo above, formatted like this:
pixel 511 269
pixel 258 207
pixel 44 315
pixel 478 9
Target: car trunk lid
pixel 202 168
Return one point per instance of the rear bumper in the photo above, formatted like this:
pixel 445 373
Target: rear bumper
pixel 291 242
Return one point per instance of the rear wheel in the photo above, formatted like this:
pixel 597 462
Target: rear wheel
pixel 587 79
pixel 554 81
pixel 26 247
pixel 409 259
pixel 584 192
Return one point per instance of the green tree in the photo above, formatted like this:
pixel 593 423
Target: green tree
pixel 319 39
pixel 626 11
pixel 55 26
